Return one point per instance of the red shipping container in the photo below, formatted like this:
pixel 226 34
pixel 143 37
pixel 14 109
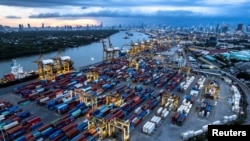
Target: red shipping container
pixel 137 98
pixel 29 136
pixel 68 127
pixel 73 132
pixel 44 127
pixel 82 138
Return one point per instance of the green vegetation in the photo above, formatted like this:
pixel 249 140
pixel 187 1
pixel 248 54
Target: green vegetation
pixel 18 44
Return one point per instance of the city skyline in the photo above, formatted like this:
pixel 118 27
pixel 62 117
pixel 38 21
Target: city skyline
pixel 75 12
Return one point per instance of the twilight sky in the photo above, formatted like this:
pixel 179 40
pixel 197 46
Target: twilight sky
pixel 82 12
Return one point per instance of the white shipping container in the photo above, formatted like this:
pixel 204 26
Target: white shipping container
pixel 158 120
pixel 151 128
pixel 205 128
pixel 12 124
pixel 134 119
pixel 198 132
pixel 217 122
pixel 2 117
pixel 43 99
pixel 233 117
pixel 208 113
pixel 159 111
pixel 137 110
pixel 165 114
pixel 167 104
pixel 171 107
pixel 153 119
pixel 145 127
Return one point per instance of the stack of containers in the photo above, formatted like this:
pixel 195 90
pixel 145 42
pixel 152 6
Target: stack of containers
pixel 205 108
pixel 156 120
pixel 236 99
pixel 183 110
pixel 148 127
pixel 201 81
pixel 189 80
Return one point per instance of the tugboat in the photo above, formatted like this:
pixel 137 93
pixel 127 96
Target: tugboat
pixel 17 75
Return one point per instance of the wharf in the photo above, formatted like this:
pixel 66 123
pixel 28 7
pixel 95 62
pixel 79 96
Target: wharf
pixel 167 131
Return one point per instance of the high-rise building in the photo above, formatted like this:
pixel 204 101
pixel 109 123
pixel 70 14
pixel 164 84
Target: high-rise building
pixel 248 28
pixel 240 27
pixel 224 28
pixel 42 25
pixel 28 25
pixel 20 26
pixel 1 27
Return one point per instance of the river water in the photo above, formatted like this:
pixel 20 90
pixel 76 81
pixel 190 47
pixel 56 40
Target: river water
pixel 82 55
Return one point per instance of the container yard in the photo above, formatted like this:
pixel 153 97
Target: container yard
pixel 121 98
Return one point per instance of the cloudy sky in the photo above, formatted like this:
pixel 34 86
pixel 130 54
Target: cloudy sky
pixel 82 12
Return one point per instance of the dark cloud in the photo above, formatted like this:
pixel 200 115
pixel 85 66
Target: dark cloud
pixel 45 15
pixel 174 13
pixel 94 3
pixel 13 17
pixel 84 7
pixel 113 13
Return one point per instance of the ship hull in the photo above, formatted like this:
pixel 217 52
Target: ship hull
pixel 17 81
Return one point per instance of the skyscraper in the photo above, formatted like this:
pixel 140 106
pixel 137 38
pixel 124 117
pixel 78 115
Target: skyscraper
pixel 28 25
pixel 20 26
pixel 240 27
pixel 42 25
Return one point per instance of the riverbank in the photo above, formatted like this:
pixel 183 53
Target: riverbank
pixel 25 43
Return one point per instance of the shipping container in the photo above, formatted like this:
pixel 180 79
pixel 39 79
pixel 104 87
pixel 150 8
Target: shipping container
pixel 55 134
pixel 71 133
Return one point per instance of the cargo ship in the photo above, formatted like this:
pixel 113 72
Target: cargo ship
pixel 17 75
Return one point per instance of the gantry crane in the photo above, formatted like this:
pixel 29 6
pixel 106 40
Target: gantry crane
pixel 86 98
pixel 92 75
pixel 115 50
pixel 134 64
pixel 167 100
pixel 40 69
pixel 115 99
pixel 99 124
pixel 48 67
pixel 120 125
pixel 212 90
pixel 107 52
pixel 140 46
pixel 67 64
pixel 132 51
pixel 58 67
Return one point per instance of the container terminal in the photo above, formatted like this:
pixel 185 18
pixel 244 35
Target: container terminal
pixel 149 92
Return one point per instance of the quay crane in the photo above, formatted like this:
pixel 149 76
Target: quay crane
pixel 107 52
pixel 133 50
pixel 48 65
pixel 116 50
pixel 40 69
